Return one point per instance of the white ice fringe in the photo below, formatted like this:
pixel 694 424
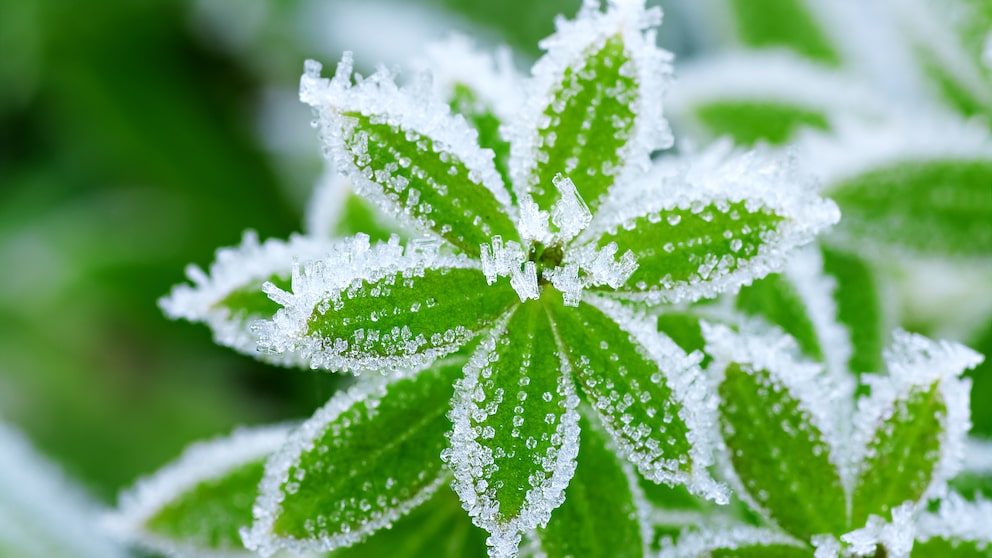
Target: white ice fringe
pixel 698 406
pixel 352 261
pixel 456 60
pixel 200 462
pixel 896 536
pixel 694 543
pixel 260 537
pixel 957 520
pixel 236 268
pixel 415 109
pixel 818 393
pixel 721 175
pixel 566 48
pixel 916 362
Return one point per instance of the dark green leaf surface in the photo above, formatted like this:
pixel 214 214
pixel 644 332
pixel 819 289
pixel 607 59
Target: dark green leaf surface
pixel 599 518
pixel 676 246
pixel 482 117
pixel 249 302
pixel 981 384
pixel 359 216
pixel 209 515
pixel 589 123
pixel 948 548
pixel 764 551
pixel 859 307
pixel 683 328
pixel 783 23
pixel 901 456
pixel 628 391
pixel 363 459
pixel 779 454
pixel 397 316
pixel 749 122
pixel 939 207
pixel 428 183
pixel 776 299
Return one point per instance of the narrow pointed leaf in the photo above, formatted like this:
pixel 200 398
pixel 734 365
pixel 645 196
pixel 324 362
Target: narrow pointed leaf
pixel 516 429
pixel 406 153
pixel 363 460
pixel 749 122
pixel 383 307
pixel 783 23
pixel 683 328
pixel 600 517
pixel 776 299
pixel 594 100
pixel 736 541
pixel 646 391
pixel 729 221
pixel 198 504
pixel 230 296
pixel 771 412
pixel 956 528
pixel 859 307
pixel 912 428
pixel 981 383
pixel 335 211
pixel 437 528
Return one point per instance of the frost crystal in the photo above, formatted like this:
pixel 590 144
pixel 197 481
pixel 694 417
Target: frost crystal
pixel 958 519
pixel 896 536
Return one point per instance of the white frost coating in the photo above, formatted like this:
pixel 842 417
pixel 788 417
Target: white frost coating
pixel 413 109
pixel 779 77
pixel 695 543
pixel 456 60
pixel 42 514
pixel 827 546
pixel 320 284
pixel 978 456
pixel 818 393
pixel 570 213
pixel 720 175
pixel 236 268
pixel 957 519
pixel 567 48
pixel 917 362
pixel 896 536
pixel 817 291
pixel 987 52
pixel 200 462
pixel 698 406
pixel 855 146
pixel 261 538
pixel 468 458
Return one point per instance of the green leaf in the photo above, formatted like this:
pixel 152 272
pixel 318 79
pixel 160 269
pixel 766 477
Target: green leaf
pixel 367 457
pixel 600 517
pixel 359 216
pixel 409 156
pixel 859 307
pixel 783 23
pixel 763 551
pixel 198 504
pixel 939 207
pixel 640 384
pixel 736 541
pixel 516 429
pixel 776 299
pixel 697 233
pixel 940 547
pixel 382 308
pixel 595 107
pixel 482 116
pixel 779 453
pixel 956 527
pixel 335 211
pixel 981 383
pixel 751 121
pixel 438 527
pixel 902 455
pixel 683 328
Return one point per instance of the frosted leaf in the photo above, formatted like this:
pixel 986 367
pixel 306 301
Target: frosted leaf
pixel 403 150
pixel 363 460
pixel 987 51
pixel 705 542
pixel 229 297
pixel 896 536
pixel 570 213
pixel 595 97
pixel 334 210
pixel 958 521
pixel 42 514
pixel 862 309
pixel 648 394
pixel 516 432
pixel 604 513
pixel 904 453
pixel 197 503
pixel 776 425
pixel 978 456
pixel 710 224
pixel 386 306
pixel 765 96
pixel 915 183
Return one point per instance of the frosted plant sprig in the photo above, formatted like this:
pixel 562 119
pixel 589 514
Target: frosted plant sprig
pixel 535 283
pixel 779 422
